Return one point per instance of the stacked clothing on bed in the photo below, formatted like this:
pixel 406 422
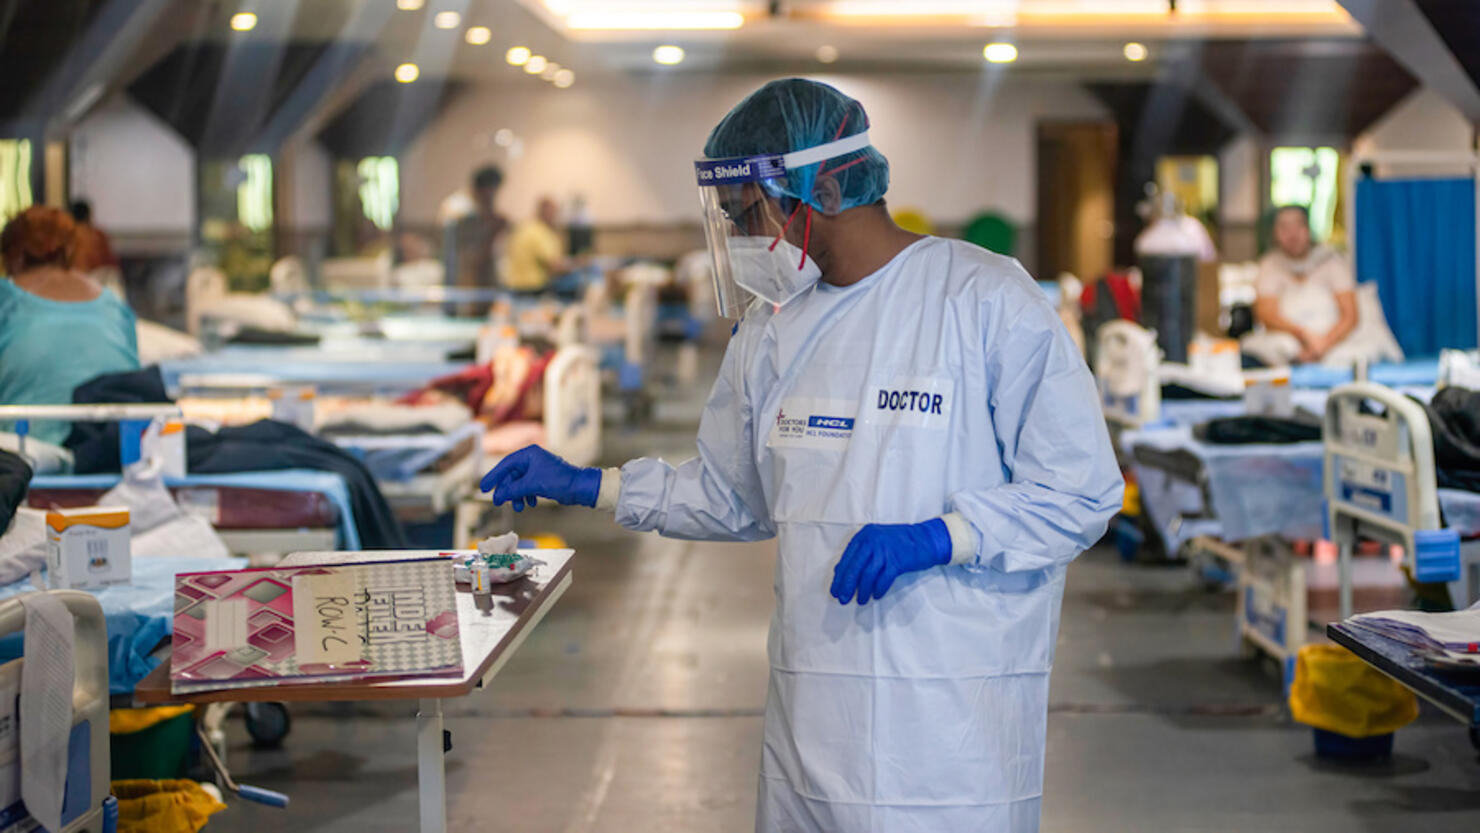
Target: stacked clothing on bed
pixel 265 445
pixel 1256 429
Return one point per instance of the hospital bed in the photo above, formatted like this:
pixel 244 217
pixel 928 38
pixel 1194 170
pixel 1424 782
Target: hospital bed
pixel 268 511
pixel 1238 507
pixel 1381 484
pixel 427 474
pixel 87 756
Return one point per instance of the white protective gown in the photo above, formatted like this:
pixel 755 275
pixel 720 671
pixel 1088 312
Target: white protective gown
pixel 944 382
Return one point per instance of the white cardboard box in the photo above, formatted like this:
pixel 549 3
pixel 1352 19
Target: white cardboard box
pixel 88 547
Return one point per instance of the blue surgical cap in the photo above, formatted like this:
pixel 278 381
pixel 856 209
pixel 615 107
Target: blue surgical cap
pixel 794 114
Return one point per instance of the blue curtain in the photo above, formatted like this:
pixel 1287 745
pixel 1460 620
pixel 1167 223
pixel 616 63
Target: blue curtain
pixel 1416 239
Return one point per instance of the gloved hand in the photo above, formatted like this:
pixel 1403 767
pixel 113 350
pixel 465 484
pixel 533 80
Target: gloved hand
pixel 881 553
pixel 534 472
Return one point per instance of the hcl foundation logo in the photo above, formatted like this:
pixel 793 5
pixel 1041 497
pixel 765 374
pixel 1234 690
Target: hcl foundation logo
pixel 813 426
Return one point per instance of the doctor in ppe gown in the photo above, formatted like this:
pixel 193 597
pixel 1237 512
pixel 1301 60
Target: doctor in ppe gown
pixel 921 435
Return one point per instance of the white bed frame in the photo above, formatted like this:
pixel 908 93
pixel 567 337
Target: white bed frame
pixel 1127 373
pixel 89 695
pixel 1380 484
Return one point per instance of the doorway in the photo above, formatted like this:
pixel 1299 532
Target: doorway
pixel 1076 199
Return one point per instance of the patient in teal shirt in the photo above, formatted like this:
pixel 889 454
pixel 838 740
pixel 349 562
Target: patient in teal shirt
pixel 58 327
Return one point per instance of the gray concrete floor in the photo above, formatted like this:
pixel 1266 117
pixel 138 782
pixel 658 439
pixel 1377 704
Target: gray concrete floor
pixel 635 706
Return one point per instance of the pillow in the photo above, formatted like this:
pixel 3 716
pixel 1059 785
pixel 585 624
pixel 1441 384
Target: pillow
pixel 1372 340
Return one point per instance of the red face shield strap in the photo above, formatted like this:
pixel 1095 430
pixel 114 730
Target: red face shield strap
pixel 807 226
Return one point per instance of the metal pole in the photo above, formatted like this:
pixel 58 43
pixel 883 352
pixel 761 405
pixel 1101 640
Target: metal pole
pixel 1344 563
pixel 431 773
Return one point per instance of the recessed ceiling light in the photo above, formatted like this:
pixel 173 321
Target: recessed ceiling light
pixel 1000 53
pixel 668 55
pixel 409 5
pixel 446 20
pixel 517 55
pixel 827 54
pixel 244 21
pixel 535 65
pixel 504 137
pixel 550 69
pixel 1135 51
pixel 564 78
pixel 478 35
pixel 406 73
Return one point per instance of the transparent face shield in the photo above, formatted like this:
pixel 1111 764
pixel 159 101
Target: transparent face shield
pixel 747 216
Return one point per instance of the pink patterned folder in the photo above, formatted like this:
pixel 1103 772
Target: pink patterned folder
pixel 314 623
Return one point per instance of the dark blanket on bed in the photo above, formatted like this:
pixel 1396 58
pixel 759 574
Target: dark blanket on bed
pixel 262 446
pixel 15 478
pixel 1251 429
pixel 1454 414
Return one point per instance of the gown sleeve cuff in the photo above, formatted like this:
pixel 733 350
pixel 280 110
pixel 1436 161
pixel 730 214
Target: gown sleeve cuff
pixel 964 540
pixel 611 489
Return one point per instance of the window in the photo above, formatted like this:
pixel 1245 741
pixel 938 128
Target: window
pixel 1308 177
pixel 15 177
pixel 380 189
pixel 254 192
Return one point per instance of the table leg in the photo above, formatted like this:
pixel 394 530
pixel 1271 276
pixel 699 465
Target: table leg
pixel 431 773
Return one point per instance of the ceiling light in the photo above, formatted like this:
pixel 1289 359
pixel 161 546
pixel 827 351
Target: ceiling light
pixel 550 69
pixel 409 5
pixel 658 20
pixel 1135 51
pixel 668 55
pixel 827 54
pixel 535 65
pixel 244 21
pixel 503 137
pixel 478 35
pixel 406 73
pixel 517 55
pixel 1000 53
pixel 564 78
pixel 446 20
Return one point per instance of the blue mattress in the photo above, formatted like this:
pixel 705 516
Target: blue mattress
pixel 139 615
pixel 1423 372
pixel 1255 490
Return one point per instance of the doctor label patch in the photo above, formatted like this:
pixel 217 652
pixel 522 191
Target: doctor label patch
pixel 813 423
pixel 920 401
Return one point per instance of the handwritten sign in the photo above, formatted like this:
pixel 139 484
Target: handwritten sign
pixel 327 628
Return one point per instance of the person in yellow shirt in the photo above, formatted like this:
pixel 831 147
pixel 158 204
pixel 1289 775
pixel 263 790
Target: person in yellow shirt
pixel 536 252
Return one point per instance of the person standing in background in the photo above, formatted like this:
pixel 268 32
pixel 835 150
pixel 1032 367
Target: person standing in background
pixel 580 236
pixel 472 231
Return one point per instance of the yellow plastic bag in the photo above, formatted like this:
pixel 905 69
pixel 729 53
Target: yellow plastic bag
pixel 163 806
pixel 1336 691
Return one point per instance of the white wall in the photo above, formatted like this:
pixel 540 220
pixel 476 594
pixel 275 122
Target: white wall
pixel 1422 121
pixel 956 144
pixel 310 193
pixel 137 172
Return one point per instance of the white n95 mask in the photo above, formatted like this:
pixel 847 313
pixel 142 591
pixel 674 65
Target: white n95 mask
pixel 773 270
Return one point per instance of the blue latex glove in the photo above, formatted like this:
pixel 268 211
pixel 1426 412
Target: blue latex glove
pixel 881 553
pixel 534 472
